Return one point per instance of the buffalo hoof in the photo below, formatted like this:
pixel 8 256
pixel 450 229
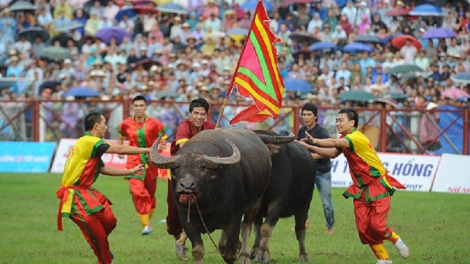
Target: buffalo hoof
pixel 244 259
pixel 303 258
pixel 263 256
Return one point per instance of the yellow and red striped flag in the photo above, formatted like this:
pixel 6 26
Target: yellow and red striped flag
pixel 257 75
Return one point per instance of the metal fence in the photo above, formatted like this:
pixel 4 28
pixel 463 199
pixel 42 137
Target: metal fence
pixel 389 130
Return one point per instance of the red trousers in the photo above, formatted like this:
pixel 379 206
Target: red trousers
pixel 96 228
pixel 173 224
pixel 372 218
pixel 143 192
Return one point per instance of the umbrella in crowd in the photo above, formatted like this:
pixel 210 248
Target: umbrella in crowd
pixel 396 12
pixel 143 2
pixel 368 39
pixel 356 96
pixel 81 92
pixel 124 12
pixel 388 101
pixel 426 10
pixel 408 76
pixel 357 47
pixel 463 77
pixel 32 33
pixel 389 38
pixel 63 38
pixel 400 97
pixel 405 68
pixel 237 32
pixel 145 9
pixel 106 34
pixel 454 93
pixel 166 94
pixel 289 2
pixel 322 46
pixel 251 5
pixel 216 35
pixel 439 33
pixel 302 37
pixel 55 53
pixel 71 25
pixel 22 6
pixel 7 83
pixel 297 85
pixel 400 41
pixel 172 8
pixel 146 63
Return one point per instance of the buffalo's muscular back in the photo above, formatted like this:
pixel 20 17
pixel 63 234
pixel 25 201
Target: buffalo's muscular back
pixel 288 193
pixel 292 179
pixel 223 193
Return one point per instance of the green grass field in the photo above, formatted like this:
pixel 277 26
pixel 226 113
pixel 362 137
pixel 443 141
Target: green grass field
pixel 435 226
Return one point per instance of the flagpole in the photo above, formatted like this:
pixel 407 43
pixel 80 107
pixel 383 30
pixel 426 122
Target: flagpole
pixel 230 88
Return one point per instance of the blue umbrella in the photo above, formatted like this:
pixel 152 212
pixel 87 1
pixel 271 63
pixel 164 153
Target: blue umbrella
pixel 439 33
pixel 463 77
pixel 69 26
pixel 32 33
pixel 172 8
pixel 322 46
pixel 237 31
pixel 367 39
pixel 357 47
pixel 127 11
pixel 297 85
pixel 426 10
pixel 389 38
pixel 105 34
pixel 251 5
pixel 81 92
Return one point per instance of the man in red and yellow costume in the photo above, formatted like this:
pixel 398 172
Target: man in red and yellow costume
pixel 87 207
pixel 141 131
pixel 372 186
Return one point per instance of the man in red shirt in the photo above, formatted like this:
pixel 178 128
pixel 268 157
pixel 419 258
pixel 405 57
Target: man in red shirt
pixel 190 127
pixel 142 131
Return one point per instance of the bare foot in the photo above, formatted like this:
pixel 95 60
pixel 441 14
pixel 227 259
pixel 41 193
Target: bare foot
pixel 329 231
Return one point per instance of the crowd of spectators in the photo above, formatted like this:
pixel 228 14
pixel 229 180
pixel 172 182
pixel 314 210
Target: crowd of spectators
pixel 171 55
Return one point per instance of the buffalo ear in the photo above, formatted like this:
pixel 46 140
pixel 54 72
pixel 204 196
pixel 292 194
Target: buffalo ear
pixel 273 148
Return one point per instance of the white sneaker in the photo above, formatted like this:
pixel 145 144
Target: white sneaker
pixel 147 230
pixel 383 261
pixel 402 248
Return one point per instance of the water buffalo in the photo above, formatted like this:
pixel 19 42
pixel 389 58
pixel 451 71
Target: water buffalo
pixel 222 174
pixel 289 193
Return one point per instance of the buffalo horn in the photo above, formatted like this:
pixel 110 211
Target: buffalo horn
pixel 159 160
pixel 225 162
pixel 276 139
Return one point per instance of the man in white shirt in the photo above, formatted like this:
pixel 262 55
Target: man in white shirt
pixel 176 29
pixel 343 73
pixel 409 52
pixel 350 11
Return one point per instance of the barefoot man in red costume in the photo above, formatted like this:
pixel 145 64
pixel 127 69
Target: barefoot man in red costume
pixel 372 186
pixel 82 203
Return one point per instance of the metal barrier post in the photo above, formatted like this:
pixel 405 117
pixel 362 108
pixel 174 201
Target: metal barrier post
pixel 383 130
pixel 415 118
pixel 466 131
pixel 296 112
pixel 36 120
